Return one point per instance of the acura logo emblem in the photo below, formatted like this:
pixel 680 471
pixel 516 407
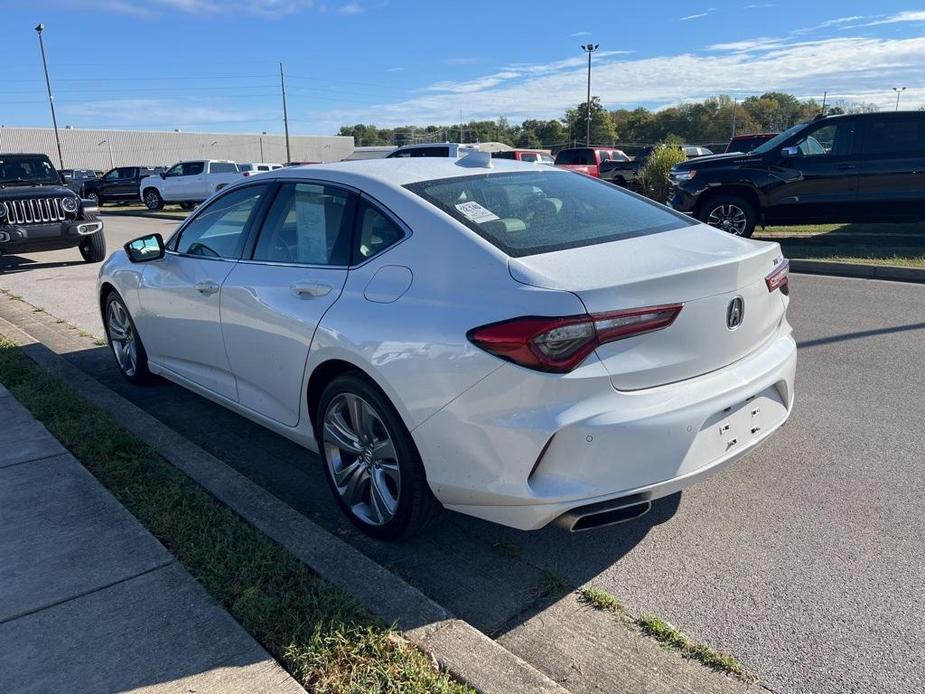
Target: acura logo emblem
pixel 735 314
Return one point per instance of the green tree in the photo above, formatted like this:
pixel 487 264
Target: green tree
pixel 602 130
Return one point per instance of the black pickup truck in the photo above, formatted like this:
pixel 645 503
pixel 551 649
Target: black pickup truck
pixel 39 213
pixel 626 173
pixel 117 185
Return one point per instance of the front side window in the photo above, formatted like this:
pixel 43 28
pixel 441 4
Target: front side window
pixel 307 224
pixel 900 137
pixel 526 213
pixel 175 170
pixel 218 230
pixel 375 232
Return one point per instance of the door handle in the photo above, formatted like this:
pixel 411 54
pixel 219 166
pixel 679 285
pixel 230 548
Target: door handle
pixel 310 290
pixel 847 167
pixel 207 287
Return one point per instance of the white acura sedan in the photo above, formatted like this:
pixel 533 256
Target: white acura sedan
pixel 512 341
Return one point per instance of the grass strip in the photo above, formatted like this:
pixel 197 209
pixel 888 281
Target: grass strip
pixel 666 634
pixel 317 632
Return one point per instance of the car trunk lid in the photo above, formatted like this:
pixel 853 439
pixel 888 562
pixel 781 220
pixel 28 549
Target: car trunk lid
pixel 700 267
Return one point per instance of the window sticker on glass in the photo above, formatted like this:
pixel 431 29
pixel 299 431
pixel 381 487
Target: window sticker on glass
pixel 475 212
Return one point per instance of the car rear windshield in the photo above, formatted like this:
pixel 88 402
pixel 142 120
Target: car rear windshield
pixel 526 213
pixel 576 157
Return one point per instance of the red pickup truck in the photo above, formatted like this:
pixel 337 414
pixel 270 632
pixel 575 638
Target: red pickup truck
pixel 587 160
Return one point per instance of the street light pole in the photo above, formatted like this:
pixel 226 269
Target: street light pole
pixel 282 85
pixel 112 164
pixel 51 100
pixel 589 48
pixel 898 90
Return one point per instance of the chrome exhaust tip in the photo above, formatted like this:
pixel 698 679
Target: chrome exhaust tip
pixel 604 514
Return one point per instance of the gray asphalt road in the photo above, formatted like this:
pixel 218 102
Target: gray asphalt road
pixel 805 560
pixel 62 283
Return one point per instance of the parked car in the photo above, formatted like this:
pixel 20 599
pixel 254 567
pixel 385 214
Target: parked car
pixel 695 151
pixel 746 143
pixel 257 167
pixel 444 149
pixel 39 213
pixel 539 156
pixel 474 333
pixel 76 179
pixel 865 167
pixel 188 182
pixel 117 185
pixel 587 160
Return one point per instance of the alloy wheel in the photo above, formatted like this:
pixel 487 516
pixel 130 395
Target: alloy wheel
pixel 361 459
pixel 728 217
pixel 122 338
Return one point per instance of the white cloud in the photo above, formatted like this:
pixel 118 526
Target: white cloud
pixel 806 68
pixel 907 16
pixel 162 113
pixel 699 15
pixel 394 69
pixel 579 33
pixel 350 8
pixel 759 5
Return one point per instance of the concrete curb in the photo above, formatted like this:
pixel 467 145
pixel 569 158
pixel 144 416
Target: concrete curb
pixel 877 272
pixel 460 648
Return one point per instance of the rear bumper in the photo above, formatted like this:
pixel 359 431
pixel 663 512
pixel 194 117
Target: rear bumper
pixel 31 238
pixel 522 450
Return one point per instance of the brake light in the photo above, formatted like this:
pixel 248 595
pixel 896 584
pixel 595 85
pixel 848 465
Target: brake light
pixel 779 278
pixel 246 173
pixel 558 345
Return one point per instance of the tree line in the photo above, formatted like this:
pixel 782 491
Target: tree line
pixel 711 121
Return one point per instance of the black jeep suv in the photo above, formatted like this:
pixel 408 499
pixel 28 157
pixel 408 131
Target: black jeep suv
pixel 38 213
pixel 867 167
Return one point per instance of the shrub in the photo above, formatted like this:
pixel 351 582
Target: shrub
pixel 654 174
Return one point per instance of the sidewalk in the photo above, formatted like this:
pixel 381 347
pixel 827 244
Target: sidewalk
pixel 90 601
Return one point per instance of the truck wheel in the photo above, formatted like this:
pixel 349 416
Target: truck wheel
pixel 729 213
pixel 94 198
pixel 93 248
pixel 153 199
pixel 187 205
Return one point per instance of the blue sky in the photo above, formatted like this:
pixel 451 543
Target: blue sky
pixel 212 65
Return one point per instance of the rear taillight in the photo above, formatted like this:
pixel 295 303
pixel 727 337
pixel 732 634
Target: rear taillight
pixel 245 173
pixel 558 345
pixel 779 278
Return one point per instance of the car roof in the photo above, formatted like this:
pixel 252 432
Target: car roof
pixel 401 172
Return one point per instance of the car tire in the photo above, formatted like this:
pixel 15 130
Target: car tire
pixel 152 199
pixel 124 341
pixel 730 213
pixel 187 205
pixel 94 198
pixel 386 497
pixel 93 248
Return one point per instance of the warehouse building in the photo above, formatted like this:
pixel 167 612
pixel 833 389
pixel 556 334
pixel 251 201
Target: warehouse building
pixel 105 149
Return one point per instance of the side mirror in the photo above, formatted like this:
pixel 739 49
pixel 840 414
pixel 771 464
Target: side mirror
pixel 163 174
pixel 790 152
pixel 145 248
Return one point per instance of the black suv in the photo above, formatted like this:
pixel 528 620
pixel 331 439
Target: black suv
pixel 117 185
pixel 867 167
pixel 38 213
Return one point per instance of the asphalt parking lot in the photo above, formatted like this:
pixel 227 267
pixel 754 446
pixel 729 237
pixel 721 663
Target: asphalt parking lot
pixel 805 560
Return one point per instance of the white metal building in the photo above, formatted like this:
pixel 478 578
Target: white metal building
pixel 105 149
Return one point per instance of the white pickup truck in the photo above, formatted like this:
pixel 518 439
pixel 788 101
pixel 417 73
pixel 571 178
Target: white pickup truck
pixel 188 182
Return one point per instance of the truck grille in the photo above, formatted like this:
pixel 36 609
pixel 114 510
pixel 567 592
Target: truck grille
pixel 33 211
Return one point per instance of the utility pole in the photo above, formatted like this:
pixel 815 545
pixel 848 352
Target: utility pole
pixel 51 100
pixel 589 49
pixel 282 85
pixel 898 90
pixel 735 104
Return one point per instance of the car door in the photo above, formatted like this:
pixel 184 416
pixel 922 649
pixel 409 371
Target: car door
pixel 273 301
pixel 193 182
pixel 124 185
pixel 891 181
pixel 817 174
pixel 107 182
pixel 172 185
pixel 180 295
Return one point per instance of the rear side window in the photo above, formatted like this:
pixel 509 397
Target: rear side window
pixel 223 167
pixel 526 213
pixel 576 157
pixel 903 137
pixel 503 155
pixel 307 224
